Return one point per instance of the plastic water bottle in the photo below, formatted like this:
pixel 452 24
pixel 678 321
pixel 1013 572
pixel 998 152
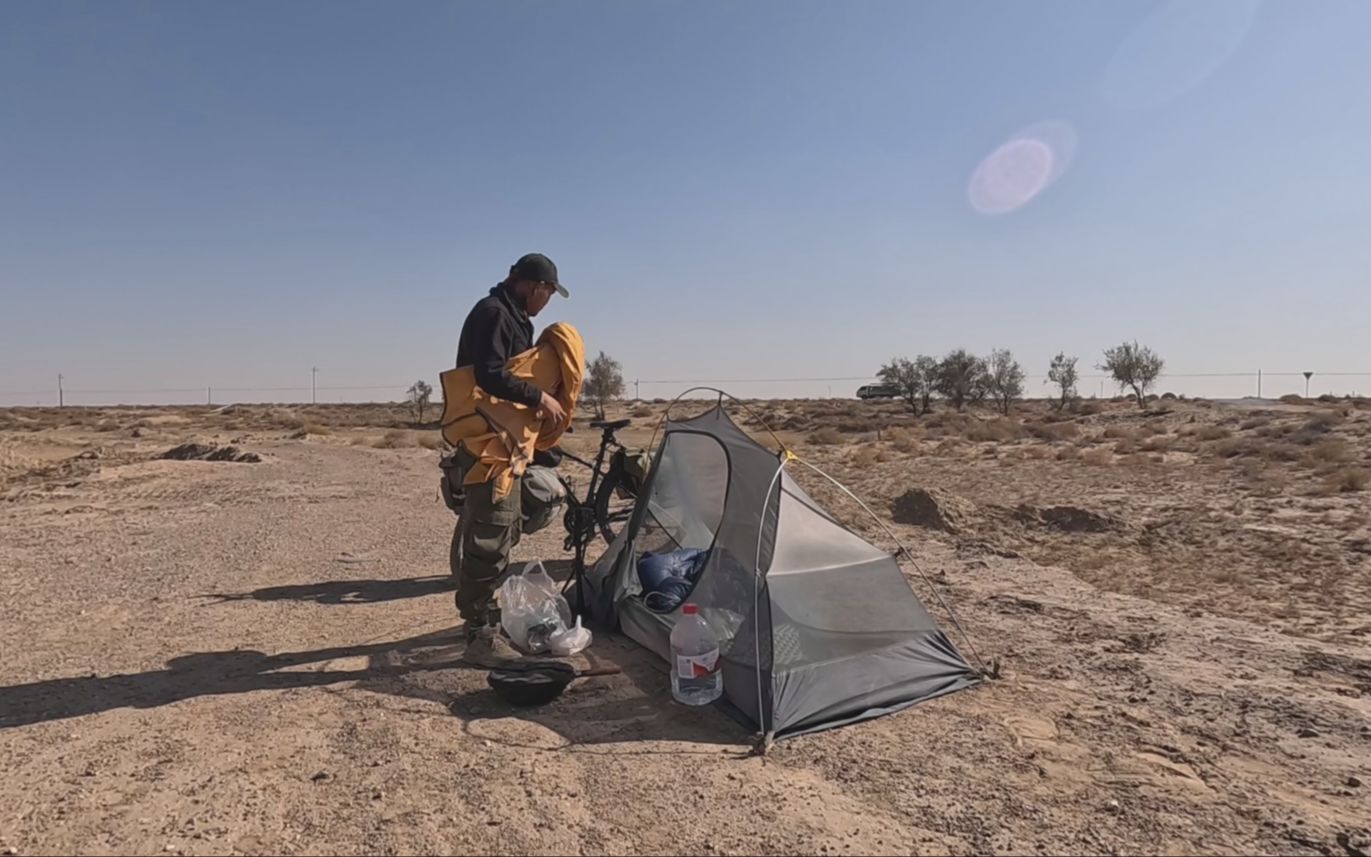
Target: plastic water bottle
pixel 695 669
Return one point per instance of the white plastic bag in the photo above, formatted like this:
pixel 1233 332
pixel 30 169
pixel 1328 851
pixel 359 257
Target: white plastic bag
pixel 566 643
pixel 532 610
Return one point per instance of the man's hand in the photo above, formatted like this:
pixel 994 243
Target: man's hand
pixel 551 409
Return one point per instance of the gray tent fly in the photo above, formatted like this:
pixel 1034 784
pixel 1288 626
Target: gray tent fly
pixel 817 627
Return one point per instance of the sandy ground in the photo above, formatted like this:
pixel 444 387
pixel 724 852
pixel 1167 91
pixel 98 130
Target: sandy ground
pixel 214 657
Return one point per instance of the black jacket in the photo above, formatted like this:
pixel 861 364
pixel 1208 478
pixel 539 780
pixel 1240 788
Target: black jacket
pixel 496 329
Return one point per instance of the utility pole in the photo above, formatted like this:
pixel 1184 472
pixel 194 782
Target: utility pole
pixel 1259 383
pixel 1307 376
pixel 636 394
pixel 313 388
pixel 60 399
pixel 209 395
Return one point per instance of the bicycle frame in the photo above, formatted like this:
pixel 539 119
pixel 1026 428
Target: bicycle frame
pixel 580 517
pixel 598 473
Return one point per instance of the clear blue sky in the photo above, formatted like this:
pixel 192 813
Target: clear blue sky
pixel 230 193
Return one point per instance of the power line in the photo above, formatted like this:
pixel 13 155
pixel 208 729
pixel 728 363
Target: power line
pixel 399 388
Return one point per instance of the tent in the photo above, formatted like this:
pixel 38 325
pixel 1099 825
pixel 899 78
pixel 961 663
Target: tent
pixel 817 627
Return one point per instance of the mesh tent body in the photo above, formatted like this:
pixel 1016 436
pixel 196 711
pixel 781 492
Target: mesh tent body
pixel 817 627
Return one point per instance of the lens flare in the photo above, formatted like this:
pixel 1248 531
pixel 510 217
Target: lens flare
pixel 1022 168
pixel 1174 50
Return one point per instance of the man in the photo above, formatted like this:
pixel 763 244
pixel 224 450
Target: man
pixel 499 327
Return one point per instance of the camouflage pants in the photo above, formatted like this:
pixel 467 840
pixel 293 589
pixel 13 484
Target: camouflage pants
pixel 490 529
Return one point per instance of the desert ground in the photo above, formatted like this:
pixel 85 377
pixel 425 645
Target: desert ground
pixel 246 656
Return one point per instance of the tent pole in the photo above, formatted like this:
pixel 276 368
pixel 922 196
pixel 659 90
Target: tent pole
pixel 757 601
pixel 780 445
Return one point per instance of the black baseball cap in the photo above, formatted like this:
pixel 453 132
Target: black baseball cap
pixel 539 269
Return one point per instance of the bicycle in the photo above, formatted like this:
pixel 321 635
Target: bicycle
pixel 607 506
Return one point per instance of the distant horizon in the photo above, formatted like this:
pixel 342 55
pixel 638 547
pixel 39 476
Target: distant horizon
pixel 1229 386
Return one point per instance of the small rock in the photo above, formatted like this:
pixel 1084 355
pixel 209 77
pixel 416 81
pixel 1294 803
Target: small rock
pixel 319 777
pixel 1113 807
pixel 1347 845
pixel 377 795
pixel 1306 732
pixel 1353 783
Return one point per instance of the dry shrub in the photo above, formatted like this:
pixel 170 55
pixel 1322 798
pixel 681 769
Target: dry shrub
pixel 1090 409
pixel 999 430
pixel 1333 450
pixel 1323 421
pixel 1039 452
pixel 947 445
pixel 1255 423
pixel 885 455
pixel 1210 432
pixel 827 436
pixel 1053 432
pixel 864 456
pixel 1120 433
pixel 949 422
pixel 431 440
pixel 1127 446
pixel 859 426
pixel 394 439
pixel 1097 457
pixel 903 440
pixel 1159 443
pixel 315 428
pixel 1280 452
pixel 1292 399
pixel 1136 460
pixel 641 412
pixel 1068 453
pixel 1347 480
pixel 1232 448
pixel 285 419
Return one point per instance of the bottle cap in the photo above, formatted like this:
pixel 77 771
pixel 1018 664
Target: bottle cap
pixel 690 609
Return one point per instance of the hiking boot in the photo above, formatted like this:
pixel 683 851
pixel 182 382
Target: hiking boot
pixel 487 646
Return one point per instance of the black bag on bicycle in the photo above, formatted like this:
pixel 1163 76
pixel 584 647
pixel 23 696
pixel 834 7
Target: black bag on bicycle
pixel 634 464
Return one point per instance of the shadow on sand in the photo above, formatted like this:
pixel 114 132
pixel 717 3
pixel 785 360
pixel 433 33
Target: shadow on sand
pixel 633 706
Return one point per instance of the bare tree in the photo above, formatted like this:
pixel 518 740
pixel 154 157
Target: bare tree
pixel 927 370
pixel 1133 366
pixel 961 378
pixel 1063 374
pixel 1003 378
pixel 419 395
pixel 914 378
pixel 604 381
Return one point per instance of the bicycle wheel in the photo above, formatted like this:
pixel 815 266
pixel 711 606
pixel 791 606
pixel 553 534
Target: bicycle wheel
pixel 612 511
